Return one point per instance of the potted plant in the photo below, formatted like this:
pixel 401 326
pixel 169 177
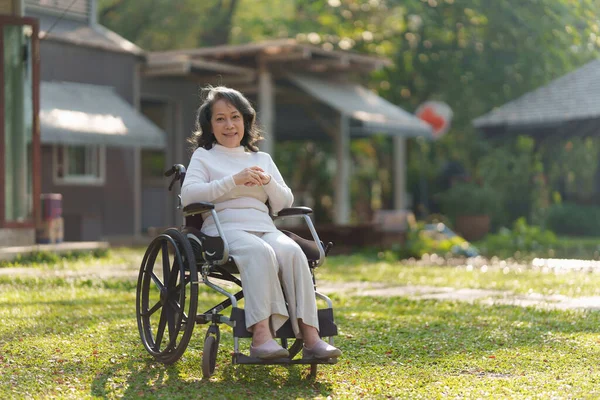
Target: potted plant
pixel 470 206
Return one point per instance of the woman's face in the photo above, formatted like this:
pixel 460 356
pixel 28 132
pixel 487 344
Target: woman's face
pixel 227 124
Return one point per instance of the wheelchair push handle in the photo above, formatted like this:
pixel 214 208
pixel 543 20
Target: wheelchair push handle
pixel 328 247
pixel 175 168
pixel 179 171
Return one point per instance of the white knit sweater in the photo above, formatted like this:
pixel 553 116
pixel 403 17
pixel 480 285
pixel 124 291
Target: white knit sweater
pixel 209 178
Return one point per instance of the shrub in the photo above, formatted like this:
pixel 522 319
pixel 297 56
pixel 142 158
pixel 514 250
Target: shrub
pixel 512 168
pixel 434 239
pixel 573 219
pixel 523 239
pixel 467 198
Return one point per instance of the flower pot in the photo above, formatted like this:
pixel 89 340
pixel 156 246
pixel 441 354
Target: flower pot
pixel 472 227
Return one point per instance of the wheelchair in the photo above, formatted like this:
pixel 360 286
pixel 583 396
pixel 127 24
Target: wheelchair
pixel 178 261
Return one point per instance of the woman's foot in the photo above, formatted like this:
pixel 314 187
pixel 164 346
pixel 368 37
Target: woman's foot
pixel 268 350
pixel 321 349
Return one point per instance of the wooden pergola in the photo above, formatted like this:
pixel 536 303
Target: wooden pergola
pixel 302 92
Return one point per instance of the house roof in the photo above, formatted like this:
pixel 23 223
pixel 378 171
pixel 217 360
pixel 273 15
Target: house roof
pixel 281 51
pixel 372 113
pixel 83 114
pixel 320 74
pixel 82 33
pixel 572 97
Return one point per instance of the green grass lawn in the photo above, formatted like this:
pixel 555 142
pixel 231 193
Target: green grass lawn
pixel 66 335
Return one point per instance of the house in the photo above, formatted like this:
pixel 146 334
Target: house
pixel 567 107
pixel 112 117
pixel 92 132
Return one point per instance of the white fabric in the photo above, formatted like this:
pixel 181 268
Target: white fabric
pixel 267 262
pixel 209 178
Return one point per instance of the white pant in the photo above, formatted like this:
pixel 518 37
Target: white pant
pixel 267 261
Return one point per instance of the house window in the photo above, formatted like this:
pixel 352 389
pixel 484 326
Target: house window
pixel 79 165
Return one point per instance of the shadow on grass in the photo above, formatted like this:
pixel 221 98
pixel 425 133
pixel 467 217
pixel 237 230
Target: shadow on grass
pixel 136 378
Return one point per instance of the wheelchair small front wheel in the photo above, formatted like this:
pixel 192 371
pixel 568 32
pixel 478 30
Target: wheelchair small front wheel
pixel 209 355
pixel 167 296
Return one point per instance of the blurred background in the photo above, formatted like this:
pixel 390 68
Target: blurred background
pixel 379 113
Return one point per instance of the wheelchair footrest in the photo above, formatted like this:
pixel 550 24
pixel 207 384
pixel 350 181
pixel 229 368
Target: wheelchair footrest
pixel 239 358
pixel 327 326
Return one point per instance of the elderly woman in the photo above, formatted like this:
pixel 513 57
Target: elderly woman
pixel 228 170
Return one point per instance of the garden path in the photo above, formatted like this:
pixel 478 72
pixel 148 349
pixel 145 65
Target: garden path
pixel 129 270
pixel 486 296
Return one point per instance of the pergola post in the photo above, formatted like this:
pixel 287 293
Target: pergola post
pixel 399 172
pixel 266 108
pixel 137 151
pixel 137 191
pixel 342 178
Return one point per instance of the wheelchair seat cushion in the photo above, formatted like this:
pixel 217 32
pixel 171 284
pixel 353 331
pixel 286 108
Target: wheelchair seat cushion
pixel 309 247
pixel 211 247
pixel 210 250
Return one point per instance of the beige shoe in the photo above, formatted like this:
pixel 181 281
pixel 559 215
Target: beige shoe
pixel 268 351
pixel 321 350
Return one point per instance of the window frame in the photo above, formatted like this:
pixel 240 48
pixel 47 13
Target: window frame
pixel 79 180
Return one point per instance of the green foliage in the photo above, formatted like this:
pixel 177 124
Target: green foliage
pixel 511 169
pixel 167 25
pixel 478 54
pixel 468 198
pixel 523 240
pixel 307 168
pixel 371 184
pixel 572 166
pixel 474 55
pixel 574 219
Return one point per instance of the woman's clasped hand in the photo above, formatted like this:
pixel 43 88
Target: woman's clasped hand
pixel 252 176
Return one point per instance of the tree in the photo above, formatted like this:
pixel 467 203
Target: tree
pixel 472 54
pixel 167 25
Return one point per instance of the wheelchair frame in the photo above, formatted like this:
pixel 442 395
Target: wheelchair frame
pixel 188 254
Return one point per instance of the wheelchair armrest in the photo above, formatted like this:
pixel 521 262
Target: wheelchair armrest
pixel 286 212
pixel 304 212
pixel 196 208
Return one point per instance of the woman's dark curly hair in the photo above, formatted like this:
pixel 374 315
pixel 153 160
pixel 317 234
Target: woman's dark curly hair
pixel 205 137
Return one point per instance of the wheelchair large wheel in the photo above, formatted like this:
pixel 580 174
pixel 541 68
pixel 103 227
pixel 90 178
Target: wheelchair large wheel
pixel 167 296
